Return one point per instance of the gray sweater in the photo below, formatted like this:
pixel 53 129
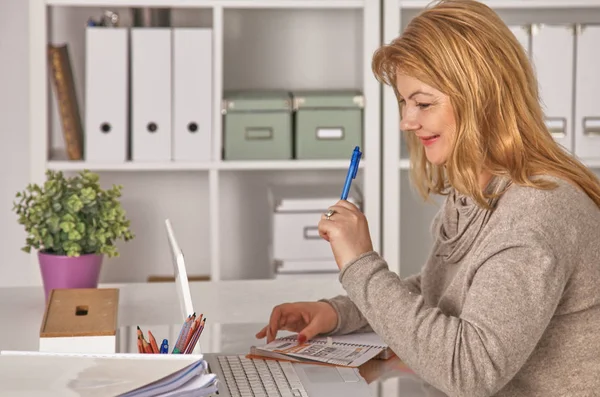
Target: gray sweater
pixel 508 303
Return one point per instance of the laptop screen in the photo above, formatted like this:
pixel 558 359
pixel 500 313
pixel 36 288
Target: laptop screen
pixel 180 273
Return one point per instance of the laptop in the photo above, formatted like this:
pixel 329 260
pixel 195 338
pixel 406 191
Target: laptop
pixel 240 376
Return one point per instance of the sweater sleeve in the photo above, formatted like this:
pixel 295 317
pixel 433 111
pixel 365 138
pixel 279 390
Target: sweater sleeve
pixel 509 304
pixel 350 319
pixel 414 282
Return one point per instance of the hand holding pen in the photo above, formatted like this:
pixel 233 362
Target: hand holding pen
pixel 344 225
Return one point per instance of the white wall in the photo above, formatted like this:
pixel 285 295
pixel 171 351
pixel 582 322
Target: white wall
pixel 14 150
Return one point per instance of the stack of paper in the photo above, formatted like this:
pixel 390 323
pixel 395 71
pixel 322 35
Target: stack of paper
pixel 350 350
pixel 92 375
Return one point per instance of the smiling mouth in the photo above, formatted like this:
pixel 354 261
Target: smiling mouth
pixel 428 138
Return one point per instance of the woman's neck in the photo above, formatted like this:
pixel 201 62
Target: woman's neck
pixel 484 179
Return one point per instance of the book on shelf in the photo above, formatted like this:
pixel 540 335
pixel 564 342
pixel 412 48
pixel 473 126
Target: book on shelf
pixel 350 350
pixel 124 375
pixel 63 82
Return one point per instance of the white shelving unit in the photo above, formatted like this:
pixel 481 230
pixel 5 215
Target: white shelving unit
pixel 406 219
pixel 219 201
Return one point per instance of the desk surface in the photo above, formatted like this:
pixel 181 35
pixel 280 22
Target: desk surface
pixel 226 302
pixel 235 309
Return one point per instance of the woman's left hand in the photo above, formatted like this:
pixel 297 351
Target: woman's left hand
pixel 347 231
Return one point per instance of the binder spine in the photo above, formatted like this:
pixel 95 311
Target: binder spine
pixel 68 108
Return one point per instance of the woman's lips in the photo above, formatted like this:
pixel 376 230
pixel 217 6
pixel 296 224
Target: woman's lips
pixel 429 140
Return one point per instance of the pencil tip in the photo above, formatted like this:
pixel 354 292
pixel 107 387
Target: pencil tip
pixel 138 327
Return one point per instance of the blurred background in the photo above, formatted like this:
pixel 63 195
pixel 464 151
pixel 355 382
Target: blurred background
pixel 282 92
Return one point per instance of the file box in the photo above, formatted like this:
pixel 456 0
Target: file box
pixel 552 52
pixel 257 125
pixel 192 94
pixel 107 95
pixel 80 320
pixel 328 125
pixel 296 246
pixel 151 94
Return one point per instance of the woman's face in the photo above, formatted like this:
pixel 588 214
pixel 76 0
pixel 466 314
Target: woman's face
pixel 427 113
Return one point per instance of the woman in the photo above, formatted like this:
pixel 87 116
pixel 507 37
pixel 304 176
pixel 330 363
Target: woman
pixel 508 303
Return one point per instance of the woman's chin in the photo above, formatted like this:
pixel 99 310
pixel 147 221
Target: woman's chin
pixel 435 159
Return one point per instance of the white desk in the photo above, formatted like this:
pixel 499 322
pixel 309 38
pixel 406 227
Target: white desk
pixel 235 309
pixel 226 302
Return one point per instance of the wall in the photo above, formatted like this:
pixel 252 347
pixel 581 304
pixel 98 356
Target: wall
pixel 15 266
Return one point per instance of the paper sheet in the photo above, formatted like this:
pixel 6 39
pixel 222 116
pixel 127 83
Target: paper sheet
pixel 47 375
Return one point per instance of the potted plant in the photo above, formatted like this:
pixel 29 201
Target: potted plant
pixel 73 223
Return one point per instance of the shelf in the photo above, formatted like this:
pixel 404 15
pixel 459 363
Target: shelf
pixel 404 164
pixel 512 4
pixel 595 163
pixel 211 3
pixel 287 165
pixel 222 204
pixel 127 166
pixel 224 165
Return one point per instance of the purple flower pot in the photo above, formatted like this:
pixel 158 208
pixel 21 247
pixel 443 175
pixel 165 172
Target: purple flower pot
pixel 61 271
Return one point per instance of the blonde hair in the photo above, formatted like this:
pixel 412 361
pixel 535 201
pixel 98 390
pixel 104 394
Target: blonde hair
pixel 463 49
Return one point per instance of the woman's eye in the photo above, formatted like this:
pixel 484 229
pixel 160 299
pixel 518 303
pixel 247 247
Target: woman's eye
pixel 423 105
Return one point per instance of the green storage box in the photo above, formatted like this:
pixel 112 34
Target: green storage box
pixel 257 125
pixel 328 125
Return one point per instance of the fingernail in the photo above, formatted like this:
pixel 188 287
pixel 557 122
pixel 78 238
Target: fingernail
pixel 301 338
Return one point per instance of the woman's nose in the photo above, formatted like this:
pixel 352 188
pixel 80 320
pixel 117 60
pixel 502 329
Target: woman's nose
pixel 409 124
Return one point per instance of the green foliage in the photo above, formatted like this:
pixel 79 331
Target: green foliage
pixel 72 216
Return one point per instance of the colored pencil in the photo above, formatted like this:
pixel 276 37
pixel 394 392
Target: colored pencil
pixel 192 331
pixel 140 334
pixel 189 326
pixel 153 342
pixel 182 332
pixel 189 334
pixel 196 337
pixel 146 346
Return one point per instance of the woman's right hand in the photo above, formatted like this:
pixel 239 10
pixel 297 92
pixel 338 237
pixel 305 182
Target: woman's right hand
pixel 308 319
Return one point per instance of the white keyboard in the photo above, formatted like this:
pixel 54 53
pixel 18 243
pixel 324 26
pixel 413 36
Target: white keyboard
pixel 260 378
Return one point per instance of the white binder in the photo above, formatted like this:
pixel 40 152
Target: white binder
pixel 106 94
pixel 587 106
pixel 523 35
pixel 151 94
pixel 552 49
pixel 192 94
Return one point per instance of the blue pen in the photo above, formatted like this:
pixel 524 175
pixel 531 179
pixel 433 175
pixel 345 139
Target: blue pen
pixel 164 347
pixel 352 170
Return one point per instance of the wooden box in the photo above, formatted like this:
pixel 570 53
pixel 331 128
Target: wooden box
pixel 80 320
